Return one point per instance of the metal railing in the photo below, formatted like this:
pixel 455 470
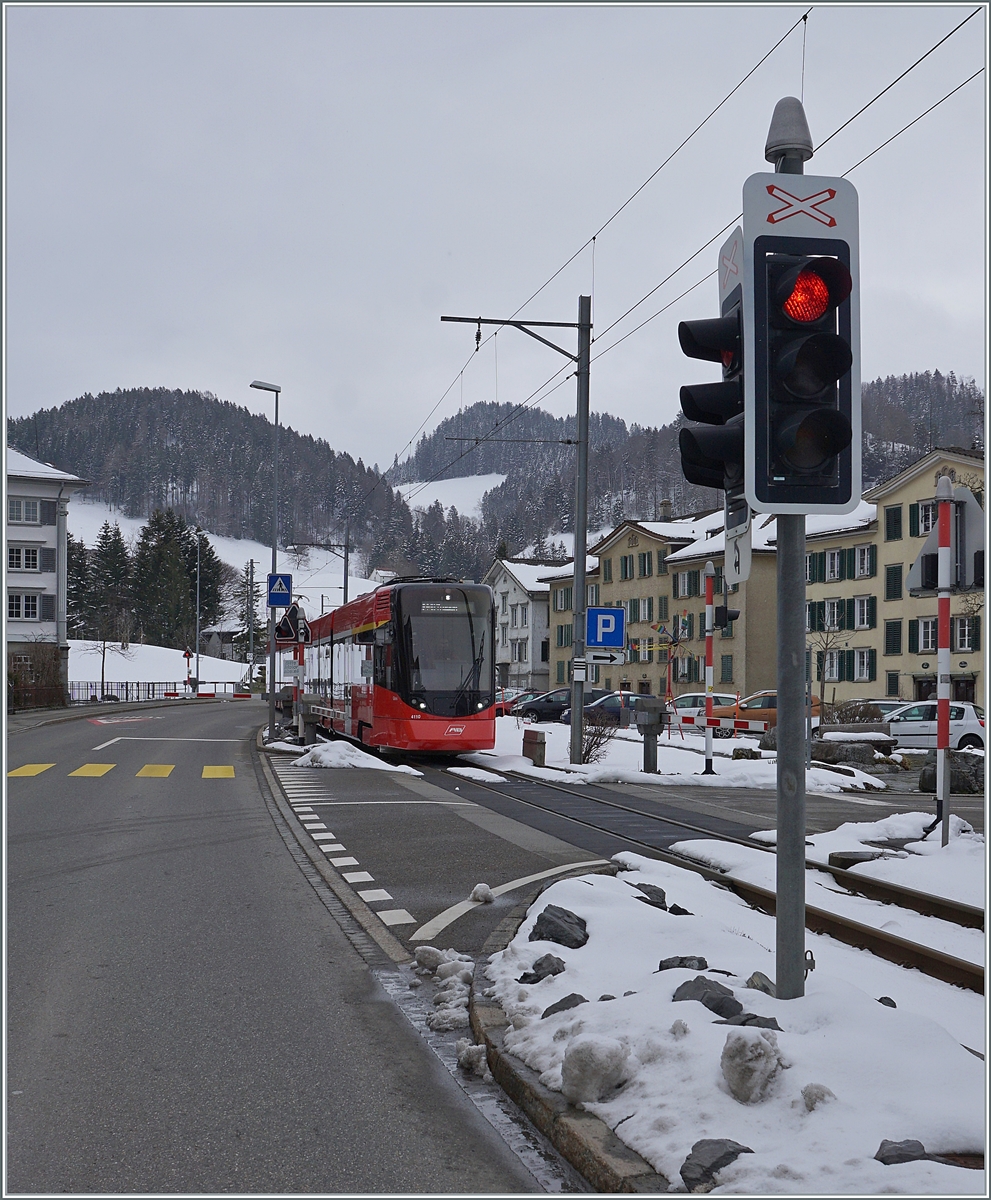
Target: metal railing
pixel 86 692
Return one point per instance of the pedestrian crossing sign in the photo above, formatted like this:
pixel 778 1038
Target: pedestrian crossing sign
pixel 279 591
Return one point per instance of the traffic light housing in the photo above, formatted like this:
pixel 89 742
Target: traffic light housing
pixel 723 616
pixel 803 356
pixel 712 450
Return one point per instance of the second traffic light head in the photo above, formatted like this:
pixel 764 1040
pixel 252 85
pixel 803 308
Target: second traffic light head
pixel 712 455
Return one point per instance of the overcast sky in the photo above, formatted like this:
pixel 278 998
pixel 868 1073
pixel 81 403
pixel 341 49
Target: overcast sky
pixel 197 197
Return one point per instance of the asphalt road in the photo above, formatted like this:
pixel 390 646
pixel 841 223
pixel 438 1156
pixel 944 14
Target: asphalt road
pixel 184 1014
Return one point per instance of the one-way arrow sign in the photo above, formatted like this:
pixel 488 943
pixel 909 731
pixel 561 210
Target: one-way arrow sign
pixel 612 658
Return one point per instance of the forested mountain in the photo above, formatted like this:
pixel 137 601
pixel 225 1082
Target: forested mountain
pixel 210 461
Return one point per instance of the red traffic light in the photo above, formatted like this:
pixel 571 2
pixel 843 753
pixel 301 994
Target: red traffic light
pixel 810 288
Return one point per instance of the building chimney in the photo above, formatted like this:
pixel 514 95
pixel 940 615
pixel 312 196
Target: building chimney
pixel 664 510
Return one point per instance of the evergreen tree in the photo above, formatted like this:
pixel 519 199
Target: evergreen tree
pixel 165 581
pixel 79 588
pixel 248 600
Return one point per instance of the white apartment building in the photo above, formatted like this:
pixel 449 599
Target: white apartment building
pixel 522 620
pixel 37 503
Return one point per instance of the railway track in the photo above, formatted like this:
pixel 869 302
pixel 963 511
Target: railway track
pixel 584 805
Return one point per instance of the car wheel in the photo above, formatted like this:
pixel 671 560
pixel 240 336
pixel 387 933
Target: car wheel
pixel 970 742
pixel 530 718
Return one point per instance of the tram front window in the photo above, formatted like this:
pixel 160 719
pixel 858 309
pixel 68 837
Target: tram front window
pixel 447 648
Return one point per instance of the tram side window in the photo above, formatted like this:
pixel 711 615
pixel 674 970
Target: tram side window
pixel 348 658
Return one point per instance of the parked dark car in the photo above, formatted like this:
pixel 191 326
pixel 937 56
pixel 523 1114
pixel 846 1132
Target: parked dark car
pixel 607 707
pixel 550 705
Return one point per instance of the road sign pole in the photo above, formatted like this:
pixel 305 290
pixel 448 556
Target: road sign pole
pixel 710 574
pixel 944 497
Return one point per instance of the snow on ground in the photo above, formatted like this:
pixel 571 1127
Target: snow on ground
pixel 964 854
pixel 344 754
pixel 464 494
pixel 958 872
pixel 477 774
pixel 146 664
pixel 890 1072
pixel 623 761
pixel 318 580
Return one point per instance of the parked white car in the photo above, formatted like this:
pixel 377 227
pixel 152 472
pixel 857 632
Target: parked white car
pixel 914 726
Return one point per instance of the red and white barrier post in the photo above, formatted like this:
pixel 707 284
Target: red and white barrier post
pixel 944 497
pixel 710 574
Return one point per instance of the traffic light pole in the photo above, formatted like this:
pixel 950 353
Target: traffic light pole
pixel 790 881
pixel 710 574
pixel 944 496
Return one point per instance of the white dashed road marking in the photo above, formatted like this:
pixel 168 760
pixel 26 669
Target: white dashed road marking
pixel 370 895
pixel 357 877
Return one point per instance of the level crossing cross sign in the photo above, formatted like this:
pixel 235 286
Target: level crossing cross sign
pixel 279 591
pixel 293 627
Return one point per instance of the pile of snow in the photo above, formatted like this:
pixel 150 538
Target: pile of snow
pixel 958 871
pixel 454 972
pixel 623 761
pixel 808 1098
pixel 477 774
pixel 344 754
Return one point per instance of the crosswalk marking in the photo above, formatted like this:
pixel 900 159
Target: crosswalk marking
pixel 336 848
pixel 155 771
pixel 372 894
pixel 396 916
pixel 325 837
pixel 217 773
pixel 92 770
pixel 30 769
pixel 357 877
pixel 344 862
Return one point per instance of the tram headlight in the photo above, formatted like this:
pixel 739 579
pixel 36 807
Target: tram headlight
pixel 479 705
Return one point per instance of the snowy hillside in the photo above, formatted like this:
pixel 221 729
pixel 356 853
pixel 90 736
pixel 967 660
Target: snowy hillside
pixel 464 494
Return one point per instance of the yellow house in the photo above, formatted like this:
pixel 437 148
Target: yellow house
pixel 868 635
pixel 653 570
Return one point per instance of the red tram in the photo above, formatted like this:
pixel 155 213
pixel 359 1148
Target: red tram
pixel 412 667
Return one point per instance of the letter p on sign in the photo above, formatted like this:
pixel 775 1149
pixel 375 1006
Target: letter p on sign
pixel 605 624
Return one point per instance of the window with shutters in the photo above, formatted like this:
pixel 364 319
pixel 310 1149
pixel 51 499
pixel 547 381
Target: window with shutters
pixel 21 511
pixel 866 558
pixel 892 637
pixel 504 608
pixel 927 634
pixel 834 565
pixel 891 683
pixel 633 611
pixel 809 565
pixel 560 671
pixel 864 666
pixel 726 668
pixel 662 565
pixel 834 614
pixel 645 564
pixel 564 633
pixel 607 570
pixel 893 582
pixel 893 523
pixel 514 616
pixel 831 666
pixel 702 625
pixel 626 566
pixel 504 630
pixel 22 606
pixel 662 608
pixel 963 630
pixel 862 612
pixel 562 599
pixel 927 517
pixel 48 608
pixel 22 558
pixel 525 615
pixel 592 591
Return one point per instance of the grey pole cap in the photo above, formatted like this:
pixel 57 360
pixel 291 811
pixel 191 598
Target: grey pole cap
pixel 788 136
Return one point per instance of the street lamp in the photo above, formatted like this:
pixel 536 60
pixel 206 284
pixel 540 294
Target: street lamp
pixel 272 387
pixel 198 533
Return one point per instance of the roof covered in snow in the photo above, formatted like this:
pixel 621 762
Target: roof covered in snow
pixel 20 466
pixel 528 575
pixel 567 570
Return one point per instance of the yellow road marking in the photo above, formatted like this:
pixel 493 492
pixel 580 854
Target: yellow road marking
pixel 30 769
pixel 218 773
pixel 93 770
pixel 155 771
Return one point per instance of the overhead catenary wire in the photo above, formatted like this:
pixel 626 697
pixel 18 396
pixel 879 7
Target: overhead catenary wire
pixel 591 241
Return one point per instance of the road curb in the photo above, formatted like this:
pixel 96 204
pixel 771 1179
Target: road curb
pixel 366 918
pixel 584 1140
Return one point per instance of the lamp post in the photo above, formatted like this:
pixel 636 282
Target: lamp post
pixel 272 387
pixel 198 533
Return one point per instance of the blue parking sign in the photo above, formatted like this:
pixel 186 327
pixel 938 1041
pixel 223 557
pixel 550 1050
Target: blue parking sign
pixel 605 628
pixel 279 591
